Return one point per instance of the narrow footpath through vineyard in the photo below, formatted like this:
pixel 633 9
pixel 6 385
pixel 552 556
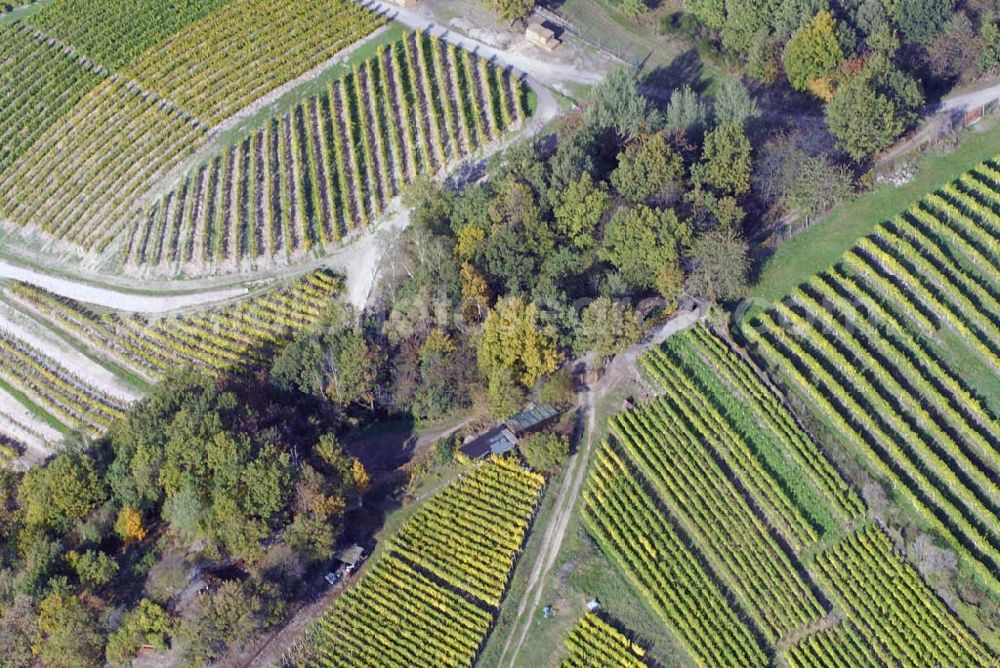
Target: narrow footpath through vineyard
pixel 618 370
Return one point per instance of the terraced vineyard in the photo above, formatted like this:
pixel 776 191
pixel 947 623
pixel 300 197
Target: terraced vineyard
pixel 99 139
pixel 226 60
pixel 65 395
pixel 863 343
pixel 892 618
pixel 630 525
pixel 706 496
pixel 594 643
pixel 305 180
pixel 405 613
pixel 230 338
pixel 40 82
pixel 221 340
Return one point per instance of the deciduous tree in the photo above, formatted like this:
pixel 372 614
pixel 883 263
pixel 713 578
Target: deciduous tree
pixel 648 169
pixel 57 495
pixel 582 205
pixel 726 161
pixel 720 265
pixel 606 328
pixel 875 107
pixel 640 241
pixel 67 633
pixel 813 52
pixel 145 624
pixel 514 339
pixel 128 525
pixel 544 451
pixel 512 10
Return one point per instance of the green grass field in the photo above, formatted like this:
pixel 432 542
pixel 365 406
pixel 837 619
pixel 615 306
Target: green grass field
pixel 821 245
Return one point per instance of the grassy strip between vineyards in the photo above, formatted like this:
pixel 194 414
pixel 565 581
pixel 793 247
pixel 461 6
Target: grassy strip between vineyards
pixel 818 247
pixel 432 596
pixel 760 429
pixel 594 643
pixel 861 343
pixel 33 408
pixel 786 449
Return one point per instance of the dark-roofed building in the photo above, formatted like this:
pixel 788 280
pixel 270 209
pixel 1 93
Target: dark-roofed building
pixel 532 419
pixel 497 441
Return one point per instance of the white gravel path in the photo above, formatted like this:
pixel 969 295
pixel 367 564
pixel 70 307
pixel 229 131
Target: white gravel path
pixel 22 425
pixel 971 100
pixel 37 336
pixel 113 298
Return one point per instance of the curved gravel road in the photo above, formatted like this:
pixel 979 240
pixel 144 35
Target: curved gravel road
pixel 113 298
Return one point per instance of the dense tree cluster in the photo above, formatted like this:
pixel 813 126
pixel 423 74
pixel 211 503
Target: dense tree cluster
pixel 870 61
pixel 236 473
pixel 610 208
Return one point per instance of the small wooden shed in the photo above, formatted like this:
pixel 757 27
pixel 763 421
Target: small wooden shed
pixel 541 36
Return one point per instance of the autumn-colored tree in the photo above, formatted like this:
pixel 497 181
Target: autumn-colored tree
pixel 362 481
pixel 475 293
pixel 515 339
pixel 813 52
pixel 128 525
pixel 468 242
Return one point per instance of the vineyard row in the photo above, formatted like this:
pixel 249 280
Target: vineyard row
pixel 305 180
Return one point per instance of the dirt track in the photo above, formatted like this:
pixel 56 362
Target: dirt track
pixel 619 370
